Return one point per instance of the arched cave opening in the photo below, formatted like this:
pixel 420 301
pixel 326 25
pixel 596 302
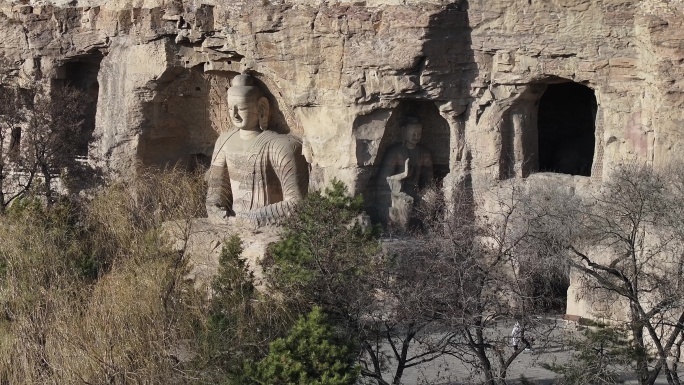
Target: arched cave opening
pixel 566 129
pixel 548 290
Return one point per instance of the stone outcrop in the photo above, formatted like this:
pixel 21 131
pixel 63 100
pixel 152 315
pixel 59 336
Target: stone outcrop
pixel 203 242
pixel 343 76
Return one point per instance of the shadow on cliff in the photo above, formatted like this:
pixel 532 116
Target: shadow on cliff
pixel 446 70
pixel 451 66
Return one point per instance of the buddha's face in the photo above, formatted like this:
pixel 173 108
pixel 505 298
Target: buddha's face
pixel 244 112
pixel 413 133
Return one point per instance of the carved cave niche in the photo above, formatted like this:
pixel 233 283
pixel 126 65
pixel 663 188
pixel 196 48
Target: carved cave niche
pixel 552 127
pixel 188 113
pixel 81 72
pixel 177 131
pixel 281 117
pixel 435 138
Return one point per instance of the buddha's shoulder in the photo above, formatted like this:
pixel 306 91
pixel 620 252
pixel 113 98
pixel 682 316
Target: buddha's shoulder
pixel 225 136
pixel 397 149
pixel 422 150
pixel 280 140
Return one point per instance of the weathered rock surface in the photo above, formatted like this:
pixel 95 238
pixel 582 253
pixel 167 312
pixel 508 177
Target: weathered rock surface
pixel 343 75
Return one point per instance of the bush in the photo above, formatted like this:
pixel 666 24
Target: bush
pixel 310 354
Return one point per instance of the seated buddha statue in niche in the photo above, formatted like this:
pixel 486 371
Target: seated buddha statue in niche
pixel 255 174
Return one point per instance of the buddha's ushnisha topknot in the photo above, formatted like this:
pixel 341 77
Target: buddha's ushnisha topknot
pixel 242 80
pixel 242 85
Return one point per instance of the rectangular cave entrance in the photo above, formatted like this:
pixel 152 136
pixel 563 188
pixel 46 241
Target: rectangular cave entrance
pixel 566 126
pixel 81 73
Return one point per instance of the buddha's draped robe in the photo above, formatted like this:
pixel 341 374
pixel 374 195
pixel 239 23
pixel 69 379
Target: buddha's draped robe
pixel 261 183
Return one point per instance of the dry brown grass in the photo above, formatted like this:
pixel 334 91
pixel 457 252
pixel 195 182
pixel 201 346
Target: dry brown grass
pixel 96 295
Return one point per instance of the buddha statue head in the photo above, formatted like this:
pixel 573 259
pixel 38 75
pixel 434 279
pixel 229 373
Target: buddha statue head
pixel 413 130
pixel 247 106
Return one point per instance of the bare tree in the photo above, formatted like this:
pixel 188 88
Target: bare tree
pixel 476 275
pixel 55 132
pixel 16 175
pixel 328 258
pixel 626 243
pixel 445 290
pixel 400 329
pixel 41 133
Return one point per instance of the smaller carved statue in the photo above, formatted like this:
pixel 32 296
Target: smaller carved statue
pixel 401 202
pixel 255 174
pixel 406 168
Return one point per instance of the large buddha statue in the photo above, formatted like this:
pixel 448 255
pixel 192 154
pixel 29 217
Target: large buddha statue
pixel 255 174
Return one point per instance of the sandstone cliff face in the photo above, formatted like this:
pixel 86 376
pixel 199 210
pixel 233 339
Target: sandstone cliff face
pixel 343 75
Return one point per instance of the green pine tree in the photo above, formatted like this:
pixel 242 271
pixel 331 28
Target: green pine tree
pixel 325 253
pixel 228 336
pixel 310 354
pixel 599 355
